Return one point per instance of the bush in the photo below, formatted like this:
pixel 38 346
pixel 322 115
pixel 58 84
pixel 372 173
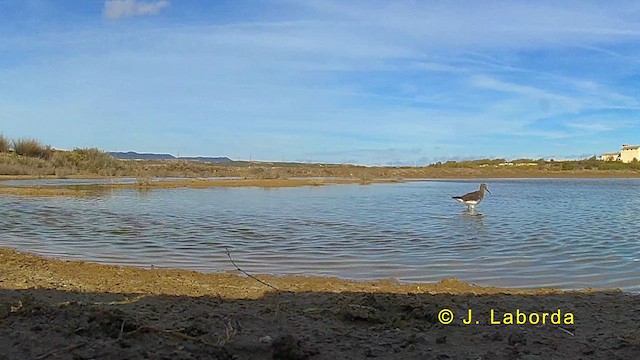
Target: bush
pixel 264 174
pixel 32 148
pixel 88 160
pixel 23 165
pixel 5 144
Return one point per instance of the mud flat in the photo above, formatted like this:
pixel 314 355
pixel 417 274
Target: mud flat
pixel 53 309
pixel 81 190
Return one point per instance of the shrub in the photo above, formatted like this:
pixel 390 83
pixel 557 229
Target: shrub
pixel 32 148
pixel 143 182
pixel 23 165
pixel 264 173
pixel 62 173
pixel 5 144
pixel 88 160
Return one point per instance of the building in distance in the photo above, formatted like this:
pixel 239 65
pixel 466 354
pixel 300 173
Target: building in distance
pixel 627 154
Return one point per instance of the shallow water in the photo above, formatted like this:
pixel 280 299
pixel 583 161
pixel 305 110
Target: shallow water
pixel 566 233
pixel 115 180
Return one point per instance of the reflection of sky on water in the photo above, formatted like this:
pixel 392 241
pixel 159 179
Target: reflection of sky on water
pixel 565 233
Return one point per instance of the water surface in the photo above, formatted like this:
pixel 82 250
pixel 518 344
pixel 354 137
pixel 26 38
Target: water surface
pixel 98 181
pixel 566 233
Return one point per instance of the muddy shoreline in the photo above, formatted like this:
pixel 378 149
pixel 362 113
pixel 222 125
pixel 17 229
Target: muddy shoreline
pixel 149 184
pixel 53 309
pixel 88 189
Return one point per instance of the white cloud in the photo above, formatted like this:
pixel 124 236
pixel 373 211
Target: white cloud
pixel 490 83
pixel 118 9
pixel 342 76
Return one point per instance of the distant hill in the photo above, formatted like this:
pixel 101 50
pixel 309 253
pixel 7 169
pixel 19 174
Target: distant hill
pixel 132 155
pixel 220 159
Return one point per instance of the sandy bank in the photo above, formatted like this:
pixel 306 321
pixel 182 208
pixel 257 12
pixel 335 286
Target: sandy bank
pixel 80 190
pixel 69 309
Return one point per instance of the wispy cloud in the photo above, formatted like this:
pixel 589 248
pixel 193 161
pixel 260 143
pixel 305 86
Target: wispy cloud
pixel 591 127
pixel 331 80
pixel 118 9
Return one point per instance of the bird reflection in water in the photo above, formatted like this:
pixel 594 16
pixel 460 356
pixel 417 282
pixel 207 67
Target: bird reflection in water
pixel 473 220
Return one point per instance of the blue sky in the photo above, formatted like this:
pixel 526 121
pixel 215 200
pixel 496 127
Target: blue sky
pixel 368 82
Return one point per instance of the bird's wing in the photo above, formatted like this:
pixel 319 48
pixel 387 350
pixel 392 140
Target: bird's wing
pixel 471 196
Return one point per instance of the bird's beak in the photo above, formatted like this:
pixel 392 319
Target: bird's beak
pixel 488 191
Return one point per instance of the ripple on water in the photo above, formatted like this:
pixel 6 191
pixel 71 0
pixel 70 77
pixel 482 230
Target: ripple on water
pixel 526 233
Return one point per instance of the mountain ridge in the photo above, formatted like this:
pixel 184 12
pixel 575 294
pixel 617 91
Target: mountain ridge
pixel 132 155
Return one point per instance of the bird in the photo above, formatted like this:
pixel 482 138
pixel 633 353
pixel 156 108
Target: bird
pixel 473 198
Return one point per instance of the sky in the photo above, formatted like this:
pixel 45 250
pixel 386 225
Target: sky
pixel 363 81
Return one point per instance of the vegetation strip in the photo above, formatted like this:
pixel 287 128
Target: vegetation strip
pixel 30 158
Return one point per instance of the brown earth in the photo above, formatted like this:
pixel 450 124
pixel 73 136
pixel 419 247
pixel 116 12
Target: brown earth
pixel 53 309
pixel 266 183
pixel 81 190
pixel 40 191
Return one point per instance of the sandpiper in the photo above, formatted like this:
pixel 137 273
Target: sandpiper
pixel 473 198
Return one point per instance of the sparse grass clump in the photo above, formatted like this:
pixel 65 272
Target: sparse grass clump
pixel 10 164
pixel 32 148
pixel 5 144
pixel 88 161
pixel 143 182
pixel 264 173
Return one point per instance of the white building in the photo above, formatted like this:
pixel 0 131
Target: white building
pixel 630 153
pixel 611 156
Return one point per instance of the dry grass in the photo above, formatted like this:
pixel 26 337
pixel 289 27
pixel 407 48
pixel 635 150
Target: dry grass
pixel 5 144
pixel 13 164
pixel 74 164
pixel 88 161
pixel 32 148
pixel 33 158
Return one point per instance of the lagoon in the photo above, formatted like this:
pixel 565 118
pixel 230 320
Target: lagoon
pixel 564 233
